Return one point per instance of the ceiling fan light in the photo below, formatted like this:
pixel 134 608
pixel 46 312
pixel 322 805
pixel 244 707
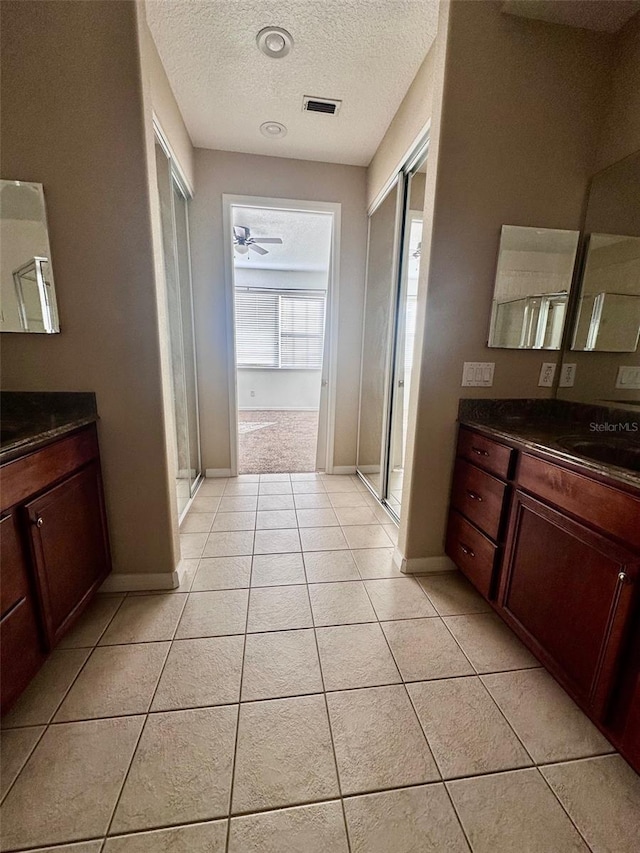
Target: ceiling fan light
pixel 241 249
pixel 274 42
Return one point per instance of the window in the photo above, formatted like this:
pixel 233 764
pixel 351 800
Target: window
pixel 279 329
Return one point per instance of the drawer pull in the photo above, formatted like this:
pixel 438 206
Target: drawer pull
pixel 466 550
pixel 39 521
pixel 479 451
pixel 474 496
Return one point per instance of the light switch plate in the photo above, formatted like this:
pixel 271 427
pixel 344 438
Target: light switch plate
pixel 567 376
pixel 628 378
pixel 478 374
pixel 547 372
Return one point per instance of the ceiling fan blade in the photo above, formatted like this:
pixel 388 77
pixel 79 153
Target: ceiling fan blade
pixel 267 239
pixel 258 249
pixel 240 232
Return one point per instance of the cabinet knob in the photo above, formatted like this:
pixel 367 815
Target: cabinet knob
pixel 623 577
pixel 39 521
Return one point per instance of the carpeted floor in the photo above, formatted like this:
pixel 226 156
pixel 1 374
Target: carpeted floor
pixel 271 442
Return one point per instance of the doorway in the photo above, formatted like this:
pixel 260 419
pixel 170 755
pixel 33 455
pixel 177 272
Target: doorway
pixel 282 290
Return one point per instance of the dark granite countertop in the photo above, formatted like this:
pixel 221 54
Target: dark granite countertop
pixel 564 430
pixel 31 419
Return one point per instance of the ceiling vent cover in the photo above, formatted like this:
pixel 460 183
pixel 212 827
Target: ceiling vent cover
pixel 321 105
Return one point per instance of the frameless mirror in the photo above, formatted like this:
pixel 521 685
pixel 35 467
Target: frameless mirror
pixel 608 312
pixel 27 292
pixel 531 293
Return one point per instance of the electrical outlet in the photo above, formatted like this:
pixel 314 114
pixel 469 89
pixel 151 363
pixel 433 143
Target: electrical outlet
pixel 547 372
pixel 628 378
pixel 567 376
pixel 478 374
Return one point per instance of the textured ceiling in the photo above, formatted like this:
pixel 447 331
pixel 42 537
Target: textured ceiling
pixel 306 238
pixel 364 52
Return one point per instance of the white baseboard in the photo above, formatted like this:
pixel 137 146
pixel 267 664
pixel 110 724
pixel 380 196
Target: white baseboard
pixel 344 469
pixel 278 409
pixel 217 472
pixel 423 565
pixel 135 582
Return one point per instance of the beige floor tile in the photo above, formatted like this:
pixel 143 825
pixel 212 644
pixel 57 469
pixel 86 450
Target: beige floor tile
pixel 145 619
pixel 322 539
pixel 547 721
pixel 392 531
pixel 90 626
pixel 399 598
pixel 317 517
pixel 306 475
pixel 317 501
pixel 277 569
pixel 412 820
pixel 233 521
pixel 278 608
pixel 268 503
pixel 275 478
pixel 16 745
pixel 284 755
pixel 339 483
pixel 200 672
pixel 188 569
pixel 342 603
pixel 349 499
pixel 229 544
pixel 212 487
pixel 80 847
pixel 489 644
pixel 234 489
pixel 349 515
pixel 276 542
pixel 207 504
pixel 279 664
pixel 466 731
pixel 367 536
pixel 277 488
pixel 276 519
pixel 192 545
pixel 239 503
pixel 452 595
pixel 54 800
pixel 378 740
pixel 305 829
pixel 197 522
pixel 328 566
pixel 376 563
pixel 602 797
pixel 355 656
pixel 308 487
pixel 513 811
pixel 115 681
pixel 222 573
pixel 214 614
pixel 207 837
pixel 181 771
pixel 424 649
pixel 40 700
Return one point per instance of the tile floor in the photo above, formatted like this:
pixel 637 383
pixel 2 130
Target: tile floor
pixel 298 695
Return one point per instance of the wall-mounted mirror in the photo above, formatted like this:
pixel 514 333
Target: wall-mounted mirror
pixel 27 292
pixel 608 311
pixel 531 293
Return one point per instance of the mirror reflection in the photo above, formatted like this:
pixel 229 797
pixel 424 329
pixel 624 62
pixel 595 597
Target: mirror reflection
pixel 608 317
pixel 27 292
pixel 533 281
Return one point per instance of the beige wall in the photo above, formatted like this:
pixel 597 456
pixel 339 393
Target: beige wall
pixel 514 138
pixel 218 172
pixel 72 119
pixel 410 119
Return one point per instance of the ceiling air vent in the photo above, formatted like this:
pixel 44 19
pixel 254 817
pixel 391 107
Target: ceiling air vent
pixel 320 105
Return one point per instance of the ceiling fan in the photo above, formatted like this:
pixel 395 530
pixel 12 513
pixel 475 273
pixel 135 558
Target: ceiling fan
pixel 243 241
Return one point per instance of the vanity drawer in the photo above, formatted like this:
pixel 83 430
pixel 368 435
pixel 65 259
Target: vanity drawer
pixel 13 581
pixel 473 553
pixel 607 508
pixel 478 496
pixel 485 452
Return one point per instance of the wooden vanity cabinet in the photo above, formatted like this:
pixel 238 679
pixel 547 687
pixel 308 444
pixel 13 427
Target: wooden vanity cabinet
pixel 55 550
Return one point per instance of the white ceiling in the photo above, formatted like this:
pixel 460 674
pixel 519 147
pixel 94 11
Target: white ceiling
pixel 606 16
pixel 306 238
pixel 364 52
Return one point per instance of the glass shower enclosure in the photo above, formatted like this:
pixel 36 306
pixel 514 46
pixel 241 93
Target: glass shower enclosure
pixel 174 201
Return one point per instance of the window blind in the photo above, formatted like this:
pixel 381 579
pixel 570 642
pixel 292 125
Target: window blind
pixel 279 329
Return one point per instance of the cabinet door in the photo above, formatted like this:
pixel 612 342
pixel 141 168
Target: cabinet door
pixel 568 591
pixel 21 650
pixel 69 544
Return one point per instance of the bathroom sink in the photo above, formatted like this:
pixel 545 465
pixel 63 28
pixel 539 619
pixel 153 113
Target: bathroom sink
pixel 611 451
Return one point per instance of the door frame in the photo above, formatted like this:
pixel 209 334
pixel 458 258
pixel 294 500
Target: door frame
pixel 330 368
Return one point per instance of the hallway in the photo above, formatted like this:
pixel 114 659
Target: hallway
pixel 297 682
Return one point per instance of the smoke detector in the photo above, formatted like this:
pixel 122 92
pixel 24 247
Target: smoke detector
pixel 274 42
pixel 273 130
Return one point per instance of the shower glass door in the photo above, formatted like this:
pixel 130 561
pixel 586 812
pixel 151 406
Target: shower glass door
pixel 175 243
